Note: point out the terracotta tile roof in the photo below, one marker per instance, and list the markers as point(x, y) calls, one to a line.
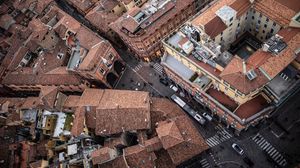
point(169, 134)
point(108, 111)
point(94, 55)
point(276, 64)
point(210, 13)
point(234, 75)
point(91, 97)
point(123, 99)
point(276, 11)
point(45, 79)
point(48, 95)
point(291, 4)
point(241, 6)
point(78, 122)
point(138, 156)
point(36, 5)
point(251, 107)
point(31, 102)
point(87, 38)
point(214, 27)
point(83, 5)
point(192, 145)
point(119, 162)
point(102, 155)
point(114, 121)
point(130, 24)
point(101, 17)
point(71, 101)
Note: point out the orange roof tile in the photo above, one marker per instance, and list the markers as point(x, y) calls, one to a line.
point(276, 64)
point(138, 156)
point(210, 13)
point(234, 75)
point(281, 14)
point(214, 27)
point(169, 134)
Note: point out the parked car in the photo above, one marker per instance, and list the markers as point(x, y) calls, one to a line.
point(200, 119)
point(174, 88)
point(237, 148)
point(164, 81)
point(248, 161)
point(207, 116)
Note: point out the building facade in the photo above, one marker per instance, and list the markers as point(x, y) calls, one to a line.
point(142, 29)
point(205, 57)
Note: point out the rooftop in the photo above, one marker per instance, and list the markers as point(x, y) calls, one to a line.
point(223, 99)
point(141, 22)
point(251, 107)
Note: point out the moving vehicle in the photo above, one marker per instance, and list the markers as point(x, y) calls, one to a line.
point(207, 116)
point(174, 88)
point(188, 109)
point(164, 81)
point(237, 148)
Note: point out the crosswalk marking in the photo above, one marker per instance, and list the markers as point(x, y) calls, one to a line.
point(270, 150)
point(158, 68)
point(204, 163)
point(137, 67)
point(221, 136)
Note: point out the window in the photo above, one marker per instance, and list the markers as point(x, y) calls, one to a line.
point(267, 20)
point(239, 93)
point(102, 71)
point(258, 21)
point(265, 25)
point(260, 15)
point(231, 19)
point(111, 56)
point(252, 17)
point(263, 31)
point(230, 24)
point(274, 24)
point(272, 30)
point(238, 24)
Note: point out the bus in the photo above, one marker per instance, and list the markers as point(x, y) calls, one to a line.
point(188, 109)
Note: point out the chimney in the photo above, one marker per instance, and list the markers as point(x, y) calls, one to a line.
point(244, 67)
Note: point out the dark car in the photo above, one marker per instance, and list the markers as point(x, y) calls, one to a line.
point(164, 81)
point(248, 161)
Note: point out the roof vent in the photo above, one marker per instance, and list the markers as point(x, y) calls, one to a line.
point(251, 74)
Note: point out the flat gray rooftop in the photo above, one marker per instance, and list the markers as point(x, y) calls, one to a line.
point(178, 67)
point(174, 40)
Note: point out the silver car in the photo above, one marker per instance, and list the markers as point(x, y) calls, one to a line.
point(207, 116)
point(237, 148)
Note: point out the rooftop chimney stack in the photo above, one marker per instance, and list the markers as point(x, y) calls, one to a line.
point(244, 67)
